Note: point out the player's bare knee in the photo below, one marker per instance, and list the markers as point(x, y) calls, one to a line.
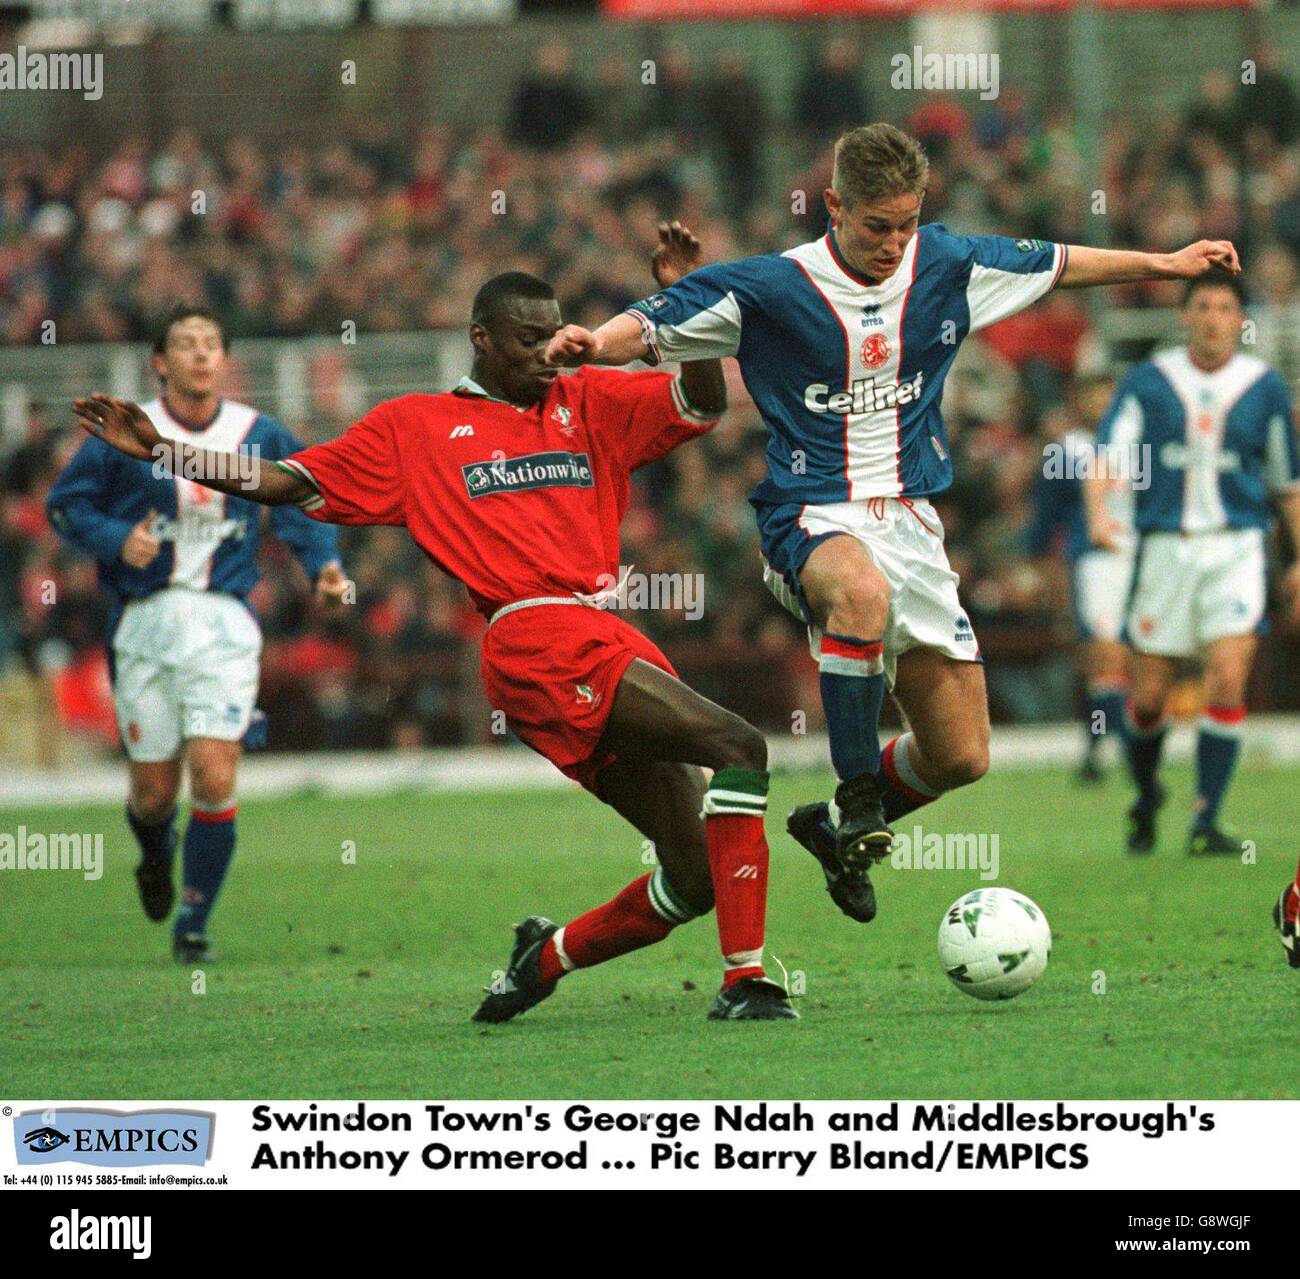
point(152, 802)
point(213, 781)
point(695, 888)
point(966, 765)
point(738, 744)
point(858, 604)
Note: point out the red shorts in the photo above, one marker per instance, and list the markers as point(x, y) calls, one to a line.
point(554, 669)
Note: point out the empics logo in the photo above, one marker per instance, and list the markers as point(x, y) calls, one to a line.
point(113, 1139)
point(44, 1140)
point(95, 1233)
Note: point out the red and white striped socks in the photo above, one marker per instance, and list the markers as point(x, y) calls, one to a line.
point(645, 912)
point(902, 789)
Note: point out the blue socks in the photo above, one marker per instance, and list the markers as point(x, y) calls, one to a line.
point(853, 690)
point(1218, 745)
point(209, 846)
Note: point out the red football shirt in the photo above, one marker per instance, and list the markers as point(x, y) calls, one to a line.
point(514, 502)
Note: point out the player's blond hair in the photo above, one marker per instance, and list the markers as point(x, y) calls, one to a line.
point(878, 161)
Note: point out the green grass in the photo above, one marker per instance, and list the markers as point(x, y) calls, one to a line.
point(339, 980)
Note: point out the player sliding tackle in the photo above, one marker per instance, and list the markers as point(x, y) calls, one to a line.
point(844, 344)
point(515, 483)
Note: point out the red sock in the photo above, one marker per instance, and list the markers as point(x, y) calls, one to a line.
point(1293, 900)
point(639, 916)
point(733, 825)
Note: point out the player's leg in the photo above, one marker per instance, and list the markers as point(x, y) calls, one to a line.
point(947, 742)
point(148, 717)
point(1102, 583)
point(656, 718)
point(1145, 731)
point(1218, 739)
point(209, 841)
point(1161, 627)
point(659, 730)
point(218, 692)
point(1231, 600)
point(848, 599)
point(663, 802)
point(151, 815)
point(1106, 681)
point(946, 746)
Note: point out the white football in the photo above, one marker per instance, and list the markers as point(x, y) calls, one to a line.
point(994, 943)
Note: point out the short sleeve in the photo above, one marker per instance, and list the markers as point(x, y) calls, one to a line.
point(358, 477)
point(701, 316)
point(1282, 451)
point(643, 416)
point(1008, 275)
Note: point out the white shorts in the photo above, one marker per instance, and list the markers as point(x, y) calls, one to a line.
point(1196, 588)
point(905, 541)
point(186, 665)
point(1102, 581)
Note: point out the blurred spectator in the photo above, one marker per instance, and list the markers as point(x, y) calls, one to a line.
point(1271, 102)
point(736, 119)
point(550, 106)
point(831, 96)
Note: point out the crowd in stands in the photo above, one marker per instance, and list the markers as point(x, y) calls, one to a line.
point(396, 234)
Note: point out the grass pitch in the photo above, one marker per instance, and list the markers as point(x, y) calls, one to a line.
point(357, 980)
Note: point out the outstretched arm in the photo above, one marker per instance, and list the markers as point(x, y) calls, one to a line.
point(127, 428)
point(678, 254)
point(1086, 267)
point(622, 339)
point(617, 341)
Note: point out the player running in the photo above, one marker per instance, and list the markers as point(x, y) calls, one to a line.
point(515, 483)
point(1099, 579)
point(1215, 429)
point(183, 641)
point(844, 344)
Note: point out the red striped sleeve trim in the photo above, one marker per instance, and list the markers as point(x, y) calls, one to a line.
point(1060, 266)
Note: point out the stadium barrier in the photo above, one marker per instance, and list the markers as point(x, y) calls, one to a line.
point(1269, 740)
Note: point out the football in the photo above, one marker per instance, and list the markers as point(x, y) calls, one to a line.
point(994, 943)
